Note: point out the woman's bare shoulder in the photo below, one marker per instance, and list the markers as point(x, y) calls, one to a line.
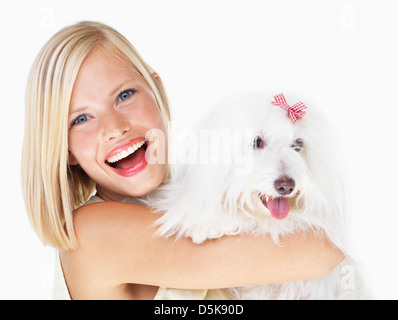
point(106, 231)
point(91, 219)
point(110, 210)
point(110, 237)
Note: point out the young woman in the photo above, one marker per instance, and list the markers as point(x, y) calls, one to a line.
point(91, 104)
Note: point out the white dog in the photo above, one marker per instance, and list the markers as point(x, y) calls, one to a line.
point(259, 166)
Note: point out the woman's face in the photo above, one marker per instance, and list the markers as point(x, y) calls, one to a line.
point(113, 119)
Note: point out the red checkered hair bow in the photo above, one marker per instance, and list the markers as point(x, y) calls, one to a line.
point(297, 111)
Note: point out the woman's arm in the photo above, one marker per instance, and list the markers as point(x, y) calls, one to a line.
point(116, 244)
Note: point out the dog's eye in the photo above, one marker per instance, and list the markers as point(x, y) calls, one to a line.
point(297, 145)
point(258, 143)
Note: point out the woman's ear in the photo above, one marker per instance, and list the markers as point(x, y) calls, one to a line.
point(71, 159)
point(157, 78)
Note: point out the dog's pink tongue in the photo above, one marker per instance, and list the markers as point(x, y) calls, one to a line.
point(278, 207)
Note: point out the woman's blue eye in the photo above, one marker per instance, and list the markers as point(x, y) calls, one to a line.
point(126, 94)
point(80, 119)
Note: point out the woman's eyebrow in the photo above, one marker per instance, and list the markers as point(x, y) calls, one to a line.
point(119, 87)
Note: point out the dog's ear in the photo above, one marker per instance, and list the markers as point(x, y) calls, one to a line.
point(328, 187)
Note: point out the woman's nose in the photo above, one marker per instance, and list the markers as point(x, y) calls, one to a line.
point(114, 126)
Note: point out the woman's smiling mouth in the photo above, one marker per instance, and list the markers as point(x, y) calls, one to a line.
point(128, 159)
point(125, 153)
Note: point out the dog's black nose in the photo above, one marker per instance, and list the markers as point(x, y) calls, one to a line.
point(284, 185)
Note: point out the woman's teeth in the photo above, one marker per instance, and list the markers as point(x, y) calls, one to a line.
point(125, 153)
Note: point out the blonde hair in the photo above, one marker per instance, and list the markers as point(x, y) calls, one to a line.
point(51, 188)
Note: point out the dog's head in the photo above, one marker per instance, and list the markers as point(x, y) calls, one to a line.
point(247, 162)
point(261, 163)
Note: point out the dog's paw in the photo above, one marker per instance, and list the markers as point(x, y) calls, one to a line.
point(199, 238)
point(200, 235)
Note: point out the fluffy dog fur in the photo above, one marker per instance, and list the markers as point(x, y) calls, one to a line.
point(241, 148)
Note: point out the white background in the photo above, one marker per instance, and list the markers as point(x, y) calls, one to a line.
point(341, 54)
